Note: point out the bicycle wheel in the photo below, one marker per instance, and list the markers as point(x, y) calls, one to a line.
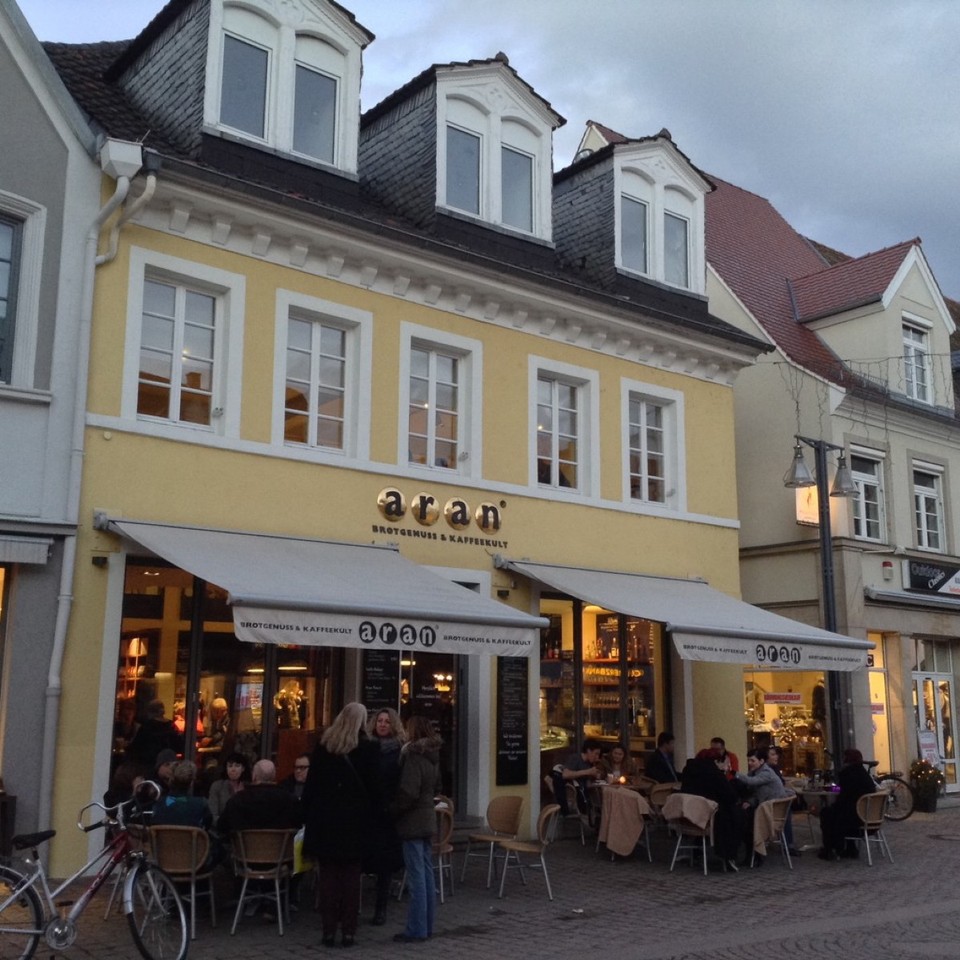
point(900, 804)
point(155, 913)
point(21, 917)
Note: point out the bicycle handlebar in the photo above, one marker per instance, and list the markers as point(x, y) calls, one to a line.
point(117, 814)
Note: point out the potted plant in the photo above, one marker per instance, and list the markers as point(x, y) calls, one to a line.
point(927, 782)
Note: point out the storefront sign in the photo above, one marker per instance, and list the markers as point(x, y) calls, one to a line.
point(512, 722)
point(877, 708)
point(929, 748)
point(783, 699)
point(316, 629)
point(768, 655)
point(927, 576)
point(426, 510)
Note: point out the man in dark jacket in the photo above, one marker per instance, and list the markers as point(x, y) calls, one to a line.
point(263, 805)
point(660, 765)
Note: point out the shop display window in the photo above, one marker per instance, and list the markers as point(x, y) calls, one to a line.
point(600, 677)
point(186, 682)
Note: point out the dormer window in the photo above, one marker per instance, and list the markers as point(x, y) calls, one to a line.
point(659, 216)
point(916, 362)
point(286, 81)
point(494, 149)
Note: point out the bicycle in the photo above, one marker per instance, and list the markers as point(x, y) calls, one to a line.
point(900, 795)
point(30, 910)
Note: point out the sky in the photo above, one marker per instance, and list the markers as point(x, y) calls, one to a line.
point(845, 115)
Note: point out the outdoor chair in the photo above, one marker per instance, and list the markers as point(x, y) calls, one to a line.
point(769, 822)
point(503, 823)
point(573, 809)
point(870, 810)
point(182, 852)
point(691, 819)
point(266, 857)
point(546, 827)
point(442, 854)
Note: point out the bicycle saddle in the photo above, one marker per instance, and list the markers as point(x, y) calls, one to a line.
point(26, 840)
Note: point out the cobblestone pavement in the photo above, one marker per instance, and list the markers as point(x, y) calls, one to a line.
point(902, 911)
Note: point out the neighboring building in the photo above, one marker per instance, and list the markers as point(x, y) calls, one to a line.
point(49, 197)
point(862, 362)
point(317, 335)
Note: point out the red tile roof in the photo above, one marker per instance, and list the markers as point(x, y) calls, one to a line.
point(850, 283)
point(783, 278)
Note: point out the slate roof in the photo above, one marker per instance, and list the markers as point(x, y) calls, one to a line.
point(850, 283)
point(429, 76)
point(82, 67)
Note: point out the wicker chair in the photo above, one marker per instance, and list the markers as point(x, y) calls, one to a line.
point(266, 856)
point(870, 810)
point(503, 822)
point(182, 852)
point(546, 827)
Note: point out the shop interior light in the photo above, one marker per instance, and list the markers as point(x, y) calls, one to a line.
point(137, 647)
point(292, 668)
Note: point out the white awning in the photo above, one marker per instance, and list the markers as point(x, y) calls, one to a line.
point(323, 593)
point(24, 549)
point(937, 600)
point(705, 623)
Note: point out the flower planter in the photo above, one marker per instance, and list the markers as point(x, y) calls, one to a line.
point(926, 804)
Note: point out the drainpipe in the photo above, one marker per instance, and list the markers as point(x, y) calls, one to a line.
point(119, 160)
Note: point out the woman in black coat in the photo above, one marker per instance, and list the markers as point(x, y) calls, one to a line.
point(385, 856)
point(840, 820)
point(339, 800)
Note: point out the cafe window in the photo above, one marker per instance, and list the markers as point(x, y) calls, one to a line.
point(440, 410)
point(184, 680)
point(602, 675)
point(185, 322)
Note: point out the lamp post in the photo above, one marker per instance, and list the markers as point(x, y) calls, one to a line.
point(843, 486)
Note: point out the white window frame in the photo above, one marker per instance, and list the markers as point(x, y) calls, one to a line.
point(462, 104)
point(230, 291)
point(671, 403)
point(587, 382)
point(280, 28)
point(469, 353)
point(667, 215)
point(621, 246)
point(915, 338)
point(924, 496)
point(33, 224)
point(640, 177)
point(358, 326)
point(858, 502)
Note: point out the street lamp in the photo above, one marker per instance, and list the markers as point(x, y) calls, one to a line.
point(799, 475)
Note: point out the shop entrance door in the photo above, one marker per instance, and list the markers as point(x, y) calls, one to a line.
point(933, 700)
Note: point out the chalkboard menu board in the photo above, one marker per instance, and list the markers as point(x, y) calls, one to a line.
point(381, 679)
point(512, 721)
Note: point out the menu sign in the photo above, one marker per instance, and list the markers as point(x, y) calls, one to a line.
point(512, 721)
point(381, 679)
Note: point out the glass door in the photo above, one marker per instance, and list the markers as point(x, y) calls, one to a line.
point(933, 698)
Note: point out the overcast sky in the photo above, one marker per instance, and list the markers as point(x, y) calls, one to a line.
point(845, 115)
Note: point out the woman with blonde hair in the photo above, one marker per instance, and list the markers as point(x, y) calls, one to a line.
point(385, 856)
point(339, 799)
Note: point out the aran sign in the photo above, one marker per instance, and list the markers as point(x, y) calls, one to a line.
point(427, 510)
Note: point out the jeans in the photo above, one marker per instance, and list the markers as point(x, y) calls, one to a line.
point(418, 859)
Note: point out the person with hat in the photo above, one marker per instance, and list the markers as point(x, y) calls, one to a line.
point(163, 768)
point(839, 819)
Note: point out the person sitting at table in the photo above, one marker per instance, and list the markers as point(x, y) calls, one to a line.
point(262, 805)
point(617, 764)
point(839, 819)
point(775, 763)
point(580, 769)
point(179, 808)
point(660, 766)
point(236, 775)
point(704, 777)
point(761, 783)
point(728, 759)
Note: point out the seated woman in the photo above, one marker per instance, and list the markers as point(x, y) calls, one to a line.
point(704, 776)
point(618, 764)
point(236, 773)
point(839, 819)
